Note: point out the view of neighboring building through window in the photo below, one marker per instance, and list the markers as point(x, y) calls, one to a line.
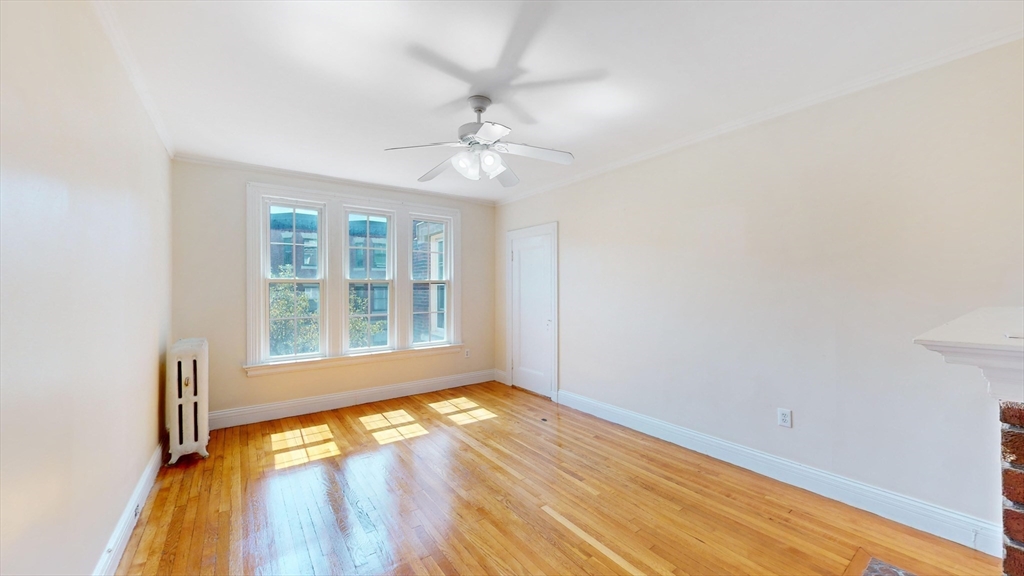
point(294, 281)
point(368, 302)
point(430, 282)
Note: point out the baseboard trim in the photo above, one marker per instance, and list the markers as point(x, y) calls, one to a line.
point(502, 376)
point(979, 534)
point(272, 411)
point(111, 555)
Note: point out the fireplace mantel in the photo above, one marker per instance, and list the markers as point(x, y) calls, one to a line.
point(991, 339)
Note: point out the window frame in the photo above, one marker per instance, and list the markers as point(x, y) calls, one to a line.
point(446, 254)
point(268, 278)
point(389, 279)
point(333, 254)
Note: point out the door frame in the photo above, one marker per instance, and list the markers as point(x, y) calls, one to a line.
point(550, 229)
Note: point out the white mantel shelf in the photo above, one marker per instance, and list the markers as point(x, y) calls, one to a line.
point(991, 339)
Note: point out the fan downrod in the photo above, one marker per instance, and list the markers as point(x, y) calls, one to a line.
point(479, 105)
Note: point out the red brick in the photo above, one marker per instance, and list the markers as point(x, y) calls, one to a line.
point(1012, 413)
point(1013, 561)
point(1013, 485)
point(1013, 524)
point(1013, 446)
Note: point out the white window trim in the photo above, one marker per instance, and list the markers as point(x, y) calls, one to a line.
point(451, 330)
point(389, 278)
point(333, 256)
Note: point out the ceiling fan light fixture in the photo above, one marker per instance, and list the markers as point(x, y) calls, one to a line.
point(467, 163)
point(491, 163)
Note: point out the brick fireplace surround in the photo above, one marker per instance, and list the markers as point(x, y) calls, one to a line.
point(1012, 416)
point(993, 339)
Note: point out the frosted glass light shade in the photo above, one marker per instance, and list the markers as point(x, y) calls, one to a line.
point(468, 164)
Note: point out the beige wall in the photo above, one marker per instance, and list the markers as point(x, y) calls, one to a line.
point(210, 282)
point(790, 264)
point(84, 287)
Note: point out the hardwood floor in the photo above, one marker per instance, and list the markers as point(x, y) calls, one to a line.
point(487, 479)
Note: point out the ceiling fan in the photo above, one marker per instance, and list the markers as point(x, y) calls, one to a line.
point(482, 143)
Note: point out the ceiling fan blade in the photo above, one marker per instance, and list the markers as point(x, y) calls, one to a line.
point(491, 132)
point(587, 76)
point(437, 170)
point(518, 110)
point(507, 177)
point(535, 152)
point(431, 58)
point(529, 21)
point(435, 145)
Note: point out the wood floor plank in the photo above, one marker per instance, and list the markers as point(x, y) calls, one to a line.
point(487, 479)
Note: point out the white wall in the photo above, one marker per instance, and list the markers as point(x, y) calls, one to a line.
point(790, 264)
point(210, 282)
point(84, 287)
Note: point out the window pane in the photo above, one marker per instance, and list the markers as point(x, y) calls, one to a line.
point(421, 265)
point(282, 300)
point(428, 266)
point(378, 232)
point(358, 332)
point(282, 224)
point(378, 264)
point(437, 262)
point(437, 331)
point(358, 299)
point(357, 264)
point(427, 235)
point(307, 300)
point(281, 264)
point(307, 224)
point(379, 299)
point(308, 338)
point(420, 328)
point(437, 265)
point(356, 230)
point(437, 297)
point(307, 261)
point(379, 330)
point(421, 297)
point(282, 337)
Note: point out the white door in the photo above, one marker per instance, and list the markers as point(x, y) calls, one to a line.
point(533, 310)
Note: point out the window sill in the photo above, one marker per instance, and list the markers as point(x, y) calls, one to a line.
point(320, 363)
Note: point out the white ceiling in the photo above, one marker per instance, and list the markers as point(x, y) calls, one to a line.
point(325, 87)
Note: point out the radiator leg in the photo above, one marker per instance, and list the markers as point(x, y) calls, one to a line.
point(204, 453)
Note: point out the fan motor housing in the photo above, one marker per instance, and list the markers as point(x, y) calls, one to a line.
point(468, 131)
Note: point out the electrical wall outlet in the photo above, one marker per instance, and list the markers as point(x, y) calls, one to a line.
point(467, 352)
point(785, 417)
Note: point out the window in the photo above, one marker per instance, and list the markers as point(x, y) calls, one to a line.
point(332, 277)
point(368, 281)
point(293, 279)
point(430, 282)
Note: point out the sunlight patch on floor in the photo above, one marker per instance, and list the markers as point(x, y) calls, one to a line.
point(455, 405)
point(386, 419)
point(464, 418)
point(301, 439)
point(400, 433)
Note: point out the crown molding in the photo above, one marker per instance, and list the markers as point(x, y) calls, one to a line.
point(236, 165)
point(888, 75)
point(108, 19)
